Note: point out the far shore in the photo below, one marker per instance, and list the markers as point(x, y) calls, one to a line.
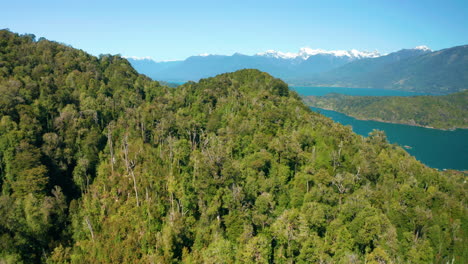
point(392, 122)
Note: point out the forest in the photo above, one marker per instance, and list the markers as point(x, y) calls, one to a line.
point(441, 112)
point(99, 164)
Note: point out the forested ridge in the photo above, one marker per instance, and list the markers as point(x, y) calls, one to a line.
point(442, 112)
point(99, 164)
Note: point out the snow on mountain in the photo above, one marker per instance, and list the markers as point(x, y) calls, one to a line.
point(138, 58)
point(302, 54)
point(422, 47)
point(305, 53)
point(278, 54)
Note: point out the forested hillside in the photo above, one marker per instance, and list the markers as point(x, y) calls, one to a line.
point(101, 165)
point(442, 112)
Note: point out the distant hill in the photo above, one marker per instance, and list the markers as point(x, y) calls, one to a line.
point(439, 72)
point(442, 112)
point(151, 68)
point(284, 65)
point(418, 69)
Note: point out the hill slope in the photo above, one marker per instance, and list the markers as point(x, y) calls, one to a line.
point(101, 165)
point(441, 72)
point(443, 112)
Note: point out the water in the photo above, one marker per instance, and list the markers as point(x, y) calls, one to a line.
point(439, 149)
point(436, 148)
point(319, 91)
point(177, 83)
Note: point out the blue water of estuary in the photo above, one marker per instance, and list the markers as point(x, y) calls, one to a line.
point(436, 148)
point(319, 91)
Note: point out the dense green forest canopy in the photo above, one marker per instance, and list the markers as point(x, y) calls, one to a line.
point(443, 112)
point(99, 164)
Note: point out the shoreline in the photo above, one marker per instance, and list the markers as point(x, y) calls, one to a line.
point(390, 122)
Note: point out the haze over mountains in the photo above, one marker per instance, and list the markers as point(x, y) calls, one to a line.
point(439, 72)
point(285, 65)
point(418, 69)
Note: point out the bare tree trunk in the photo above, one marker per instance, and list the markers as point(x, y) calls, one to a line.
point(135, 187)
point(88, 223)
point(129, 165)
point(111, 148)
point(142, 128)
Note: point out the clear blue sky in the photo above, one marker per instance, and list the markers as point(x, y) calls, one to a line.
point(175, 29)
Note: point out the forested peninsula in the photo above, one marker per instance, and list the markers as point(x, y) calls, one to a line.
point(99, 164)
point(441, 112)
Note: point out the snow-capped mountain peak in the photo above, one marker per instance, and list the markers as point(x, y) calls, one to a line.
point(423, 47)
point(364, 54)
point(305, 53)
point(277, 54)
point(138, 58)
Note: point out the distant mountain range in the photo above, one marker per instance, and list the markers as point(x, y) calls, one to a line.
point(418, 69)
point(280, 64)
point(439, 72)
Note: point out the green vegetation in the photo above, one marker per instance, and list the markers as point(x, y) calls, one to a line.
point(442, 112)
point(169, 84)
point(101, 165)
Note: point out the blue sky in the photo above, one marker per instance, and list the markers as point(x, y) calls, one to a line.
point(175, 29)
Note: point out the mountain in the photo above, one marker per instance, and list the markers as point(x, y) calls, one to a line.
point(99, 164)
point(150, 67)
point(305, 53)
point(367, 66)
point(420, 70)
point(442, 112)
point(284, 65)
